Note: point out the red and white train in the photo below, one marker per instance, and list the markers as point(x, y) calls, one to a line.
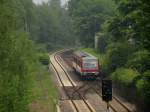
point(85, 64)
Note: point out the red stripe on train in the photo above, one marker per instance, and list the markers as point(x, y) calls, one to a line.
point(93, 70)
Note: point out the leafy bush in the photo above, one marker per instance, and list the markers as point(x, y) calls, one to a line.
point(124, 76)
point(41, 48)
point(101, 42)
point(43, 58)
point(143, 86)
point(140, 60)
point(139, 85)
point(117, 55)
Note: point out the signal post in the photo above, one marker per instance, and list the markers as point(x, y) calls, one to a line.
point(107, 91)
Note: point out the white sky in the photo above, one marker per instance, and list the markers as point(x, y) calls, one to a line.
point(40, 1)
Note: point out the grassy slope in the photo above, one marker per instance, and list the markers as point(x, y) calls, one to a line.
point(44, 92)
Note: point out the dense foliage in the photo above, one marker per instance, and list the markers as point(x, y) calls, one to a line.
point(23, 25)
point(88, 17)
point(131, 25)
point(16, 57)
point(124, 76)
point(118, 54)
point(123, 32)
point(143, 85)
point(52, 25)
point(140, 61)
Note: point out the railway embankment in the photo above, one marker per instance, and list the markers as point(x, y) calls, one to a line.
point(44, 94)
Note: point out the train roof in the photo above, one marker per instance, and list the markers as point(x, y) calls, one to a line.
point(84, 54)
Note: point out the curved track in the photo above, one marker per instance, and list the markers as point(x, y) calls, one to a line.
point(74, 102)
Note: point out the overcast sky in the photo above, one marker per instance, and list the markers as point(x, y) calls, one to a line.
point(40, 1)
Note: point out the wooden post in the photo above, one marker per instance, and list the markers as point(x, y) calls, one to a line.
point(108, 107)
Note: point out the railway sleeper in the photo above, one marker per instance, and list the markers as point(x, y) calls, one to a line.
point(74, 93)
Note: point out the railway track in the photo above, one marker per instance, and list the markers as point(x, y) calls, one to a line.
point(77, 107)
point(115, 101)
point(116, 105)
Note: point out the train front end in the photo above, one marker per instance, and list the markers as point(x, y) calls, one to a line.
point(90, 67)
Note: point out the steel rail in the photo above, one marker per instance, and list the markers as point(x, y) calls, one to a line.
point(64, 88)
point(91, 110)
point(57, 73)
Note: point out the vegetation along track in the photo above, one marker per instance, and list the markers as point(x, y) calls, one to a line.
point(90, 109)
point(116, 105)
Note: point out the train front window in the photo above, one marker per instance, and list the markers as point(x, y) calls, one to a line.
point(90, 64)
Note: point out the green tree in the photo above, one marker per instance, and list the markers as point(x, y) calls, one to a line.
point(16, 58)
point(132, 22)
point(52, 25)
point(88, 16)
